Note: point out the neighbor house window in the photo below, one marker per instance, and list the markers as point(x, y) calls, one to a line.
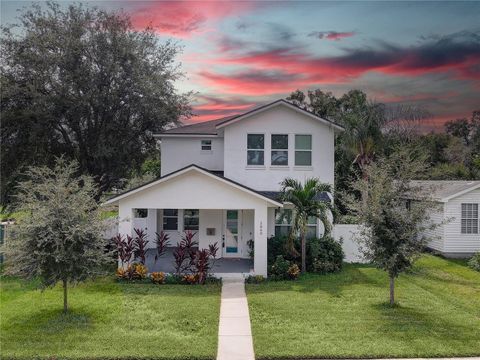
point(191, 219)
point(140, 213)
point(207, 145)
point(255, 149)
point(170, 219)
point(469, 218)
point(280, 150)
point(283, 222)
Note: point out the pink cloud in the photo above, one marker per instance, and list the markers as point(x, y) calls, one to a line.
point(184, 18)
point(331, 35)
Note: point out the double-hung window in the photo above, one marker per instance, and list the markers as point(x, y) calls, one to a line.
point(140, 213)
point(255, 149)
point(170, 219)
point(190, 219)
point(279, 150)
point(206, 145)
point(311, 227)
point(303, 150)
point(469, 218)
point(283, 222)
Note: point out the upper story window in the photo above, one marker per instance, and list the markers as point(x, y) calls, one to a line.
point(279, 150)
point(206, 145)
point(469, 218)
point(303, 150)
point(191, 219)
point(170, 219)
point(255, 149)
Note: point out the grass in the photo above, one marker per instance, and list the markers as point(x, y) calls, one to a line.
point(109, 320)
point(347, 314)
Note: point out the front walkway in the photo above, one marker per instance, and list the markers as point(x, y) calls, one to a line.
point(222, 265)
point(234, 332)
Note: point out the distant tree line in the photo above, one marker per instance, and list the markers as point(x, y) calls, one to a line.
point(374, 130)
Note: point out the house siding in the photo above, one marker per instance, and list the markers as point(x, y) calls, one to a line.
point(455, 241)
point(437, 235)
point(176, 153)
point(278, 120)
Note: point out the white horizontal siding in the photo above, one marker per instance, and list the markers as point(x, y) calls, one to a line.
point(455, 241)
point(436, 235)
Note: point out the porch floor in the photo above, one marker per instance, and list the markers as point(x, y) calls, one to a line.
point(222, 265)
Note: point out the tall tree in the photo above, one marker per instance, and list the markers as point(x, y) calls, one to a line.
point(84, 83)
point(304, 198)
point(59, 237)
point(395, 231)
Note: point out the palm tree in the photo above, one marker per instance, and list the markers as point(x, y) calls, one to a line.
point(304, 198)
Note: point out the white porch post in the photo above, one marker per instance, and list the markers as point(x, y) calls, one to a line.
point(124, 221)
point(260, 244)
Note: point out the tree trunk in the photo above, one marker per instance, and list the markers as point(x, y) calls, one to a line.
point(65, 302)
point(392, 290)
point(304, 254)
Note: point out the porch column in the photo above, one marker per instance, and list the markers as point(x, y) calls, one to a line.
point(260, 244)
point(124, 222)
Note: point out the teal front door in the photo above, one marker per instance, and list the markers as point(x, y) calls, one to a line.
point(232, 231)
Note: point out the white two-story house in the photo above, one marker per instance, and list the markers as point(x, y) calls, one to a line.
point(221, 179)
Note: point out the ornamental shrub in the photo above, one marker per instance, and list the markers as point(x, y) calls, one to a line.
point(157, 277)
point(324, 255)
point(279, 269)
point(474, 262)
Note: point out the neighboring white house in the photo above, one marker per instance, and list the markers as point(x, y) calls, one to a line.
point(458, 213)
point(221, 179)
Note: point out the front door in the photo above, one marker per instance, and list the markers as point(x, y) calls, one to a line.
point(232, 233)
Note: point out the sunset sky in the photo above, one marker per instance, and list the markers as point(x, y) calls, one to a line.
point(241, 54)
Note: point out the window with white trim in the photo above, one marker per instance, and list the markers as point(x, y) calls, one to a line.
point(170, 219)
point(303, 150)
point(279, 150)
point(469, 219)
point(191, 219)
point(206, 145)
point(140, 213)
point(283, 222)
point(255, 149)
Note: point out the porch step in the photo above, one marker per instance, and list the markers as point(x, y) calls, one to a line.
point(234, 332)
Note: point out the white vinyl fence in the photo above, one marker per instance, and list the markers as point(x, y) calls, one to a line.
point(345, 234)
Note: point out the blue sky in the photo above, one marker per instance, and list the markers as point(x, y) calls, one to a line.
point(240, 54)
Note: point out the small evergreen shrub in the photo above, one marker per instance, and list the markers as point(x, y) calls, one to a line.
point(324, 255)
point(474, 262)
point(255, 279)
point(293, 272)
point(157, 277)
point(279, 269)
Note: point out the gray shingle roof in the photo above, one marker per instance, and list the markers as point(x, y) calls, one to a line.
point(442, 189)
point(209, 127)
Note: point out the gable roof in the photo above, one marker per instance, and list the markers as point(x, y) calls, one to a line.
point(211, 128)
point(186, 169)
point(444, 190)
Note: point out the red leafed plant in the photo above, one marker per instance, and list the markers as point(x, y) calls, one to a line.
point(202, 265)
point(162, 243)
point(125, 248)
point(140, 245)
point(129, 247)
point(184, 254)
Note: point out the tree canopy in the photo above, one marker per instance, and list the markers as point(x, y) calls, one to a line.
point(83, 83)
point(60, 235)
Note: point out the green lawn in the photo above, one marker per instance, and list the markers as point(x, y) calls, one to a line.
point(109, 320)
point(346, 314)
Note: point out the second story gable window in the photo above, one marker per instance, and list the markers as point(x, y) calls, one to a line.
point(303, 150)
point(279, 150)
point(206, 145)
point(255, 149)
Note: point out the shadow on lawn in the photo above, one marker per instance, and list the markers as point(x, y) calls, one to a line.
point(408, 320)
point(333, 284)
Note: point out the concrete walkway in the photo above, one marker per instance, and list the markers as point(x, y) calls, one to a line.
point(234, 333)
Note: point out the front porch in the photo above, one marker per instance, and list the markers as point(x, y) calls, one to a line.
point(222, 267)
